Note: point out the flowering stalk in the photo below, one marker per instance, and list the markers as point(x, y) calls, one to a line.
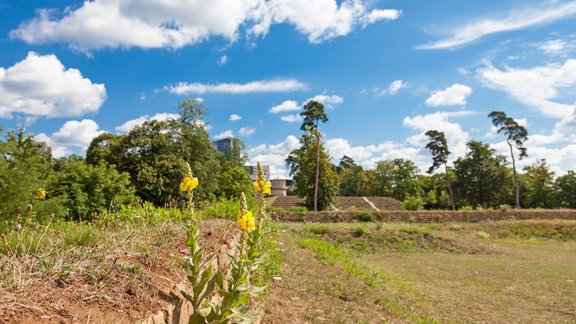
point(187, 185)
point(263, 188)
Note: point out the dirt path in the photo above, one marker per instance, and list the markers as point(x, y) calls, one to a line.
point(311, 292)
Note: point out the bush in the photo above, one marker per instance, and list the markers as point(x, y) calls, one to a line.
point(413, 203)
point(360, 231)
point(366, 216)
point(316, 229)
point(298, 209)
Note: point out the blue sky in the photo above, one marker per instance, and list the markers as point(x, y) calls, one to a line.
point(387, 71)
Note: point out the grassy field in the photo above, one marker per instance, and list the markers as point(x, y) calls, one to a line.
point(492, 272)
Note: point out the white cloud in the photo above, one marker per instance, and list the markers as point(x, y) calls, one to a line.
point(291, 118)
point(327, 100)
point(553, 47)
point(287, 85)
point(386, 14)
point(514, 20)
point(247, 131)
point(456, 137)
point(41, 86)
point(292, 105)
point(102, 24)
point(454, 95)
point(222, 60)
point(234, 117)
point(274, 155)
point(129, 125)
point(286, 106)
point(73, 137)
point(224, 134)
point(536, 87)
point(393, 88)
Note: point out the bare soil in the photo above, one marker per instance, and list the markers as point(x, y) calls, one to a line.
point(123, 287)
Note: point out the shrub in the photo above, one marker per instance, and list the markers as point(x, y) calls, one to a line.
point(366, 216)
point(298, 209)
point(360, 231)
point(316, 229)
point(413, 203)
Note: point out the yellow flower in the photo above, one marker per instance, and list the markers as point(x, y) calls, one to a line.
point(40, 194)
point(245, 219)
point(189, 183)
point(261, 184)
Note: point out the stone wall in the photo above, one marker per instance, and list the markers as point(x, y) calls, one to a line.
point(425, 216)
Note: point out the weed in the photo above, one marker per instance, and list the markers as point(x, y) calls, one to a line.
point(483, 235)
point(360, 231)
point(316, 229)
point(366, 216)
point(456, 227)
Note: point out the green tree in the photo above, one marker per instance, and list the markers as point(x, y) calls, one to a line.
point(303, 164)
point(234, 181)
point(539, 181)
point(396, 178)
point(313, 114)
point(517, 135)
point(565, 188)
point(89, 189)
point(24, 167)
point(193, 145)
point(152, 154)
point(440, 152)
point(352, 177)
point(482, 176)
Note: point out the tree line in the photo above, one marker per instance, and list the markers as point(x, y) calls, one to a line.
point(146, 165)
point(479, 179)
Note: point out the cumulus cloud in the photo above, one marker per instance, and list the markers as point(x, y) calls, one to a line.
point(102, 24)
point(456, 136)
point(393, 88)
point(537, 87)
point(286, 106)
point(234, 117)
point(73, 137)
point(224, 134)
point(514, 20)
point(328, 100)
point(247, 131)
point(274, 155)
point(129, 125)
point(454, 95)
point(41, 86)
point(288, 85)
point(291, 118)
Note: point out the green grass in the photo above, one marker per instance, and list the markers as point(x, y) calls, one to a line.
point(508, 271)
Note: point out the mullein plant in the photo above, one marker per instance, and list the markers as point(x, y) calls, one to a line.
point(188, 184)
point(234, 290)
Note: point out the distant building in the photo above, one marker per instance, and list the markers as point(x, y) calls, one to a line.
point(253, 171)
point(226, 145)
point(279, 187)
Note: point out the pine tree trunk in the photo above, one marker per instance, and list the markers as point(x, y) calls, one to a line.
point(449, 182)
point(317, 168)
point(516, 184)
